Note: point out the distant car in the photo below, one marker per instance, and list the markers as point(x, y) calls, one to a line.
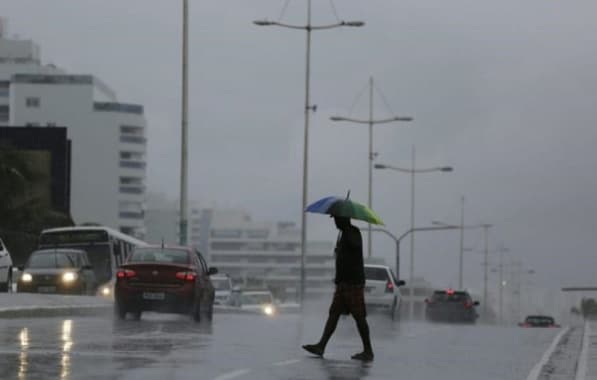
point(538, 321)
point(381, 289)
point(223, 285)
point(5, 269)
point(167, 280)
point(60, 271)
point(259, 301)
point(451, 306)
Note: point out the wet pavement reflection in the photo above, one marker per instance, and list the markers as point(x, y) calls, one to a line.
point(255, 347)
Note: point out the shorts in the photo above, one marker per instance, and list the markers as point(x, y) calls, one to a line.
point(349, 299)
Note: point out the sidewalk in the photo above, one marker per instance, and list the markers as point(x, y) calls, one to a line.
point(22, 305)
point(587, 364)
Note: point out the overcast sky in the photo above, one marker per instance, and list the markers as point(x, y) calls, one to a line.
point(504, 91)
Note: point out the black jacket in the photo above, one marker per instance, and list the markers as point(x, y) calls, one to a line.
point(349, 258)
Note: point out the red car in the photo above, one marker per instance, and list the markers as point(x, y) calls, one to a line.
point(167, 280)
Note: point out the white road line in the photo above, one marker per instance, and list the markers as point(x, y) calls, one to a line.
point(233, 374)
point(581, 367)
point(286, 362)
point(536, 371)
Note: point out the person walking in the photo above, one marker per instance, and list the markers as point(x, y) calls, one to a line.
point(349, 296)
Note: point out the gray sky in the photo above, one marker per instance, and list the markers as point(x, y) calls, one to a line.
point(503, 91)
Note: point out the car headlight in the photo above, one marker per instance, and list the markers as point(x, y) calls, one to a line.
point(26, 277)
point(105, 291)
point(268, 310)
point(69, 277)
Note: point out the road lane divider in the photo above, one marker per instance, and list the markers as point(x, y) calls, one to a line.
point(233, 374)
point(536, 371)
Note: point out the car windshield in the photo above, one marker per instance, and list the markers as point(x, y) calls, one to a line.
point(256, 298)
point(539, 320)
point(376, 274)
point(158, 255)
point(52, 259)
point(450, 297)
point(221, 283)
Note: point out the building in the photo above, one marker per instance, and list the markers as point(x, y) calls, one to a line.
point(47, 152)
point(264, 254)
point(108, 137)
point(163, 222)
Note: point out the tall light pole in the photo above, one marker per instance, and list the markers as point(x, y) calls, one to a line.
point(308, 108)
point(185, 126)
point(486, 228)
point(412, 171)
point(371, 122)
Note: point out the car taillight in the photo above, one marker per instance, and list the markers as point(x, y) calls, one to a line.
point(186, 276)
point(389, 287)
point(125, 273)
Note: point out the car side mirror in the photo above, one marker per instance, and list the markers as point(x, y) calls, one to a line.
point(212, 271)
point(87, 267)
point(401, 283)
point(476, 303)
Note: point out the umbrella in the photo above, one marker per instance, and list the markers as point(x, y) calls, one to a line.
point(344, 207)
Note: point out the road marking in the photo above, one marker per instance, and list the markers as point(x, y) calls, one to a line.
point(581, 368)
point(286, 362)
point(536, 371)
point(233, 374)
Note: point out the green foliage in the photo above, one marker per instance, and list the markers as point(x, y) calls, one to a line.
point(23, 212)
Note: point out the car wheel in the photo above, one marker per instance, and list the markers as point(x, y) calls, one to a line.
point(196, 311)
point(393, 309)
point(6, 286)
point(119, 311)
point(137, 315)
point(210, 312)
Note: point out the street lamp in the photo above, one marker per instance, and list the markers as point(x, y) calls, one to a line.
point(412, 171)
point(371, 122)
point(308, 107)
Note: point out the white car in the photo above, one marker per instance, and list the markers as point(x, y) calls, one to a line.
point(381, 289)
point(5, 269)
point(223, 286)
point(259, 301)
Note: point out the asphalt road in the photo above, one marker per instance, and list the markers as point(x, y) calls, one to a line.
point(256, 347)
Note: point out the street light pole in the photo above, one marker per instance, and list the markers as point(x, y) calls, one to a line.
point(486, 265)
point(412, 171)
point(412, 236)
point(461, 255)
point(308, 108)
point(371, 122)
point(185, 126)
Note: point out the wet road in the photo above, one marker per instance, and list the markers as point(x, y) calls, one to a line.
point(255, 347)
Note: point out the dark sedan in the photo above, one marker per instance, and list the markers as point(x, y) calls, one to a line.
point(60, 271)
point(167, 280)
point(451, 306)
point(539, 321)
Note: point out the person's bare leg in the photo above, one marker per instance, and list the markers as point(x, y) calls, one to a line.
point(328, 330)
point(363, 327)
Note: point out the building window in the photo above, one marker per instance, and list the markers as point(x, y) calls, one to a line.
point(4, 113)
point(131, 181)
point(226, 233)
point(32, 102)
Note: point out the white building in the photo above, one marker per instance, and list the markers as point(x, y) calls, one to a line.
point(108, 137)
point(163, 222)
point(258, 254)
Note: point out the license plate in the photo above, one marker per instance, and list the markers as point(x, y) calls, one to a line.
point(46, 289)
point(154, 296)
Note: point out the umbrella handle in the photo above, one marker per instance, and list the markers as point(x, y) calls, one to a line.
point(348, 195)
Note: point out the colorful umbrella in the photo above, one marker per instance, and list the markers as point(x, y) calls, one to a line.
point(345, 207)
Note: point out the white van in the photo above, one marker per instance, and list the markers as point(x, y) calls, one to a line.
point(381, 289)
point(5, 269)
point(223, 286)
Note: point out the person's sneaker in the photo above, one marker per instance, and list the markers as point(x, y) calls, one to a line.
point(315, 349)
point(363, 356)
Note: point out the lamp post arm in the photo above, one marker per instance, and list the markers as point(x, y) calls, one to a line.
point(361, 121)
point(308, 27)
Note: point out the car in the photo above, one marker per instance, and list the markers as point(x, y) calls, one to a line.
point(167, 280)
point(538, 321)
point(59, 271)
point(451, 306)
point(258, 301)
point(223, 285)
point(381, 289)
point(5, 268)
